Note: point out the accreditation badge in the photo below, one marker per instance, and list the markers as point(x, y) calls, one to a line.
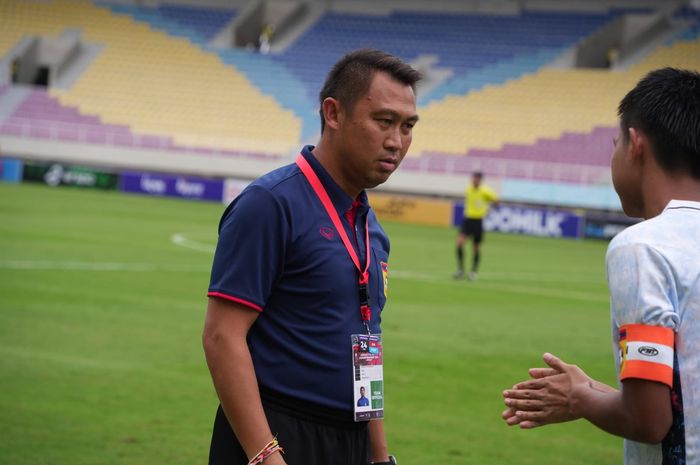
point(368, 382)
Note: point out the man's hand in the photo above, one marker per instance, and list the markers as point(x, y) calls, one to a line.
point(551, 396)
point(640, 411)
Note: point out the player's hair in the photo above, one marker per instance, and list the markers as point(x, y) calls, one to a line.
point(665, 106)
point(349, 79)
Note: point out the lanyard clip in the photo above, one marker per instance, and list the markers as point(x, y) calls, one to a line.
point(365, 313)
point(364, 295)
point(363, 282)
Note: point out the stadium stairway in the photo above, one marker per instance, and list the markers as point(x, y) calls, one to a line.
point(273, 78)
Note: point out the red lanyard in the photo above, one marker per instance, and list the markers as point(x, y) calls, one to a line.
point(363, 277)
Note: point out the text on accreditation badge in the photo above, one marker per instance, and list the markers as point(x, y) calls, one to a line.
point(368, 374)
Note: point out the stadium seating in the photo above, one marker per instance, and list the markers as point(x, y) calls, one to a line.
point(197, 24)
point(543, 104)
point(538, 114)
point(157, 84)
point(42, 116)
point(496, 51)
point(207, 21)
point(465, 43)
point(693, 17)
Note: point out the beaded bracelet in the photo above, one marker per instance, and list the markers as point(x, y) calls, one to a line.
point(269, 449)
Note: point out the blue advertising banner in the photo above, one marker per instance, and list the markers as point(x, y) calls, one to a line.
point(10, 170)
point(606, 225)
point(172, 186)
point(533, 221)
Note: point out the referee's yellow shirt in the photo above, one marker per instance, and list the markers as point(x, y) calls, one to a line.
point(477, 201)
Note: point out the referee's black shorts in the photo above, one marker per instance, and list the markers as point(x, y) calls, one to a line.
point(473, 227)
point(309, 435)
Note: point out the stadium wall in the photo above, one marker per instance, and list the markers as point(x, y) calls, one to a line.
point(249, 166)
point(505, 217)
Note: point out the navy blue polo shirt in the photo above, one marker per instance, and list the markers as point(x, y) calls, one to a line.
point(279, 254)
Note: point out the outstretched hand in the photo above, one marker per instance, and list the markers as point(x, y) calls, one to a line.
point(550, 396)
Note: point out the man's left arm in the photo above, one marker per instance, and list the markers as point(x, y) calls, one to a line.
point(377, 439)
point(640, 411)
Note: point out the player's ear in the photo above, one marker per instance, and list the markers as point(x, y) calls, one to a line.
point(332, 112)
point(638, 144)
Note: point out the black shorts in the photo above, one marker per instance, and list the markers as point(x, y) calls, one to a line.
point(473, 227)
point(318, 436)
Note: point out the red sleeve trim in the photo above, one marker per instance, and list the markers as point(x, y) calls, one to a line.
point(236, 299)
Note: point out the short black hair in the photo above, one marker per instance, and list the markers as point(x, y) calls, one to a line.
point(665, 106)
point(350, 77)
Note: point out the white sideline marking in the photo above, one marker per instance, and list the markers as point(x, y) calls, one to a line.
point(179, 239)
point(182, 240)
point(43, 265)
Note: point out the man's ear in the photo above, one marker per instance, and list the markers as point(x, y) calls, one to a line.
point(332, 112)
point(638, 146)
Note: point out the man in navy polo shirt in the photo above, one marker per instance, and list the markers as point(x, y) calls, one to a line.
point(297, 249)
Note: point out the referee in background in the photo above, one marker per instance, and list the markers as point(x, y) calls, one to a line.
point(477, 199)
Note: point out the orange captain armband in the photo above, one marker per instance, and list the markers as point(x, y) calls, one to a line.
point(646, 352)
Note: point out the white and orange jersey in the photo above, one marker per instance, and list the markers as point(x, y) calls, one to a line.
point(654, 278)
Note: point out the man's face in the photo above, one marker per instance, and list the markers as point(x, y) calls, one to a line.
point(362, 391)
point(476, 180)
point(376, 133)
point(625, 177)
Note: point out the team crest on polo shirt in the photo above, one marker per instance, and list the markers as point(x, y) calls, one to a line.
point(328, 233)
point(385, 275)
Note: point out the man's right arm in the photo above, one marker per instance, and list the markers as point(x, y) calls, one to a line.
point(231, 367)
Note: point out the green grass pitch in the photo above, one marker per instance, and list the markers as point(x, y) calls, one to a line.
point(102, 300)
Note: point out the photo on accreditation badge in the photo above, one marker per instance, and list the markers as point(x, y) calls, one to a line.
point(362, 399)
